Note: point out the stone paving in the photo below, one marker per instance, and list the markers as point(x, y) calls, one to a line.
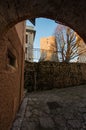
point(57, 109)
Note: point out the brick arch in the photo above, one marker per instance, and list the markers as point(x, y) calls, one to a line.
point(71, 13)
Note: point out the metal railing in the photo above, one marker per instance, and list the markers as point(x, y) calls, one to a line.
point(37, 55)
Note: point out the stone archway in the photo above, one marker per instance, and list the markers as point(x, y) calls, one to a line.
point(71, 13)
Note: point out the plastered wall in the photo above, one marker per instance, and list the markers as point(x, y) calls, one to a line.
point(11, 75)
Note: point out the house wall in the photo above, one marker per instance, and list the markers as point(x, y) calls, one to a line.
point(82, 50)
point(11, 74)
point(48, 48)
point(30, 33)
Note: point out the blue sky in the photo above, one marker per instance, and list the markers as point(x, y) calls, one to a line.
point(44, 28)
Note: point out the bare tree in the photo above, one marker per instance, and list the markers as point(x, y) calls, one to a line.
point(68, 44)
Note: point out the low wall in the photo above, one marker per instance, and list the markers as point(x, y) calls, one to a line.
point(48, 75)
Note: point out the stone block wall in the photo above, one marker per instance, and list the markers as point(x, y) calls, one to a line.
point(48, 75)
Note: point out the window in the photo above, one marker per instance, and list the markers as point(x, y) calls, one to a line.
point(26, 38)
point(25, 50)
point(11, 59)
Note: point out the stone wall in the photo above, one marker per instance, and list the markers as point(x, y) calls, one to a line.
point(11, 77)
point(69, 12)
point(48, 75)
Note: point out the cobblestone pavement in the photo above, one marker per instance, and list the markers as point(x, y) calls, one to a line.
point(57, 109)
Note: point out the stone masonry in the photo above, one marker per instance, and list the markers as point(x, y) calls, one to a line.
point(69, 12)
point(48, 75)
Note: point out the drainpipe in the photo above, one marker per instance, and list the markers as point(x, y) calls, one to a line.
point(35, 75)
point(22, 63)
point(21, 74)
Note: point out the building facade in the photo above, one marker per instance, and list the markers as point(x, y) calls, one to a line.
point(82, 50)
point(11, 74)
point(30, 35)
point(48, 47)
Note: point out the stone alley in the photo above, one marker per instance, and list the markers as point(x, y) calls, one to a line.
point(57, 109)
